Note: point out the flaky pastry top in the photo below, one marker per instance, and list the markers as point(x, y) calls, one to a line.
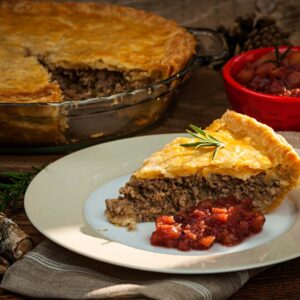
point(28, 83)
point(250, 148)
point(85, 35)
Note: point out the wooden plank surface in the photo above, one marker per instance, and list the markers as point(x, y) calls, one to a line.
point(201, 100)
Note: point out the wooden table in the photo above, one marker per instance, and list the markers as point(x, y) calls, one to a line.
point(199, 101)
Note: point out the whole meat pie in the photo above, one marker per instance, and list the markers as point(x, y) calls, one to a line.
point(51, 52)
point(252, 162)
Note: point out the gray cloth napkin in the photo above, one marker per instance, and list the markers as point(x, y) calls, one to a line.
point(54, 272)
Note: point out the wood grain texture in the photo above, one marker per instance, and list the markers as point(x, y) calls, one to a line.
point(199, 101)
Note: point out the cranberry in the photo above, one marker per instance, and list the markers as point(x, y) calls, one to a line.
point(273, 77)
point(226, 221)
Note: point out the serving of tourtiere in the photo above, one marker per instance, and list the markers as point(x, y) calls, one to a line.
point(236, 156)
point(52, 52)
point(83, 50)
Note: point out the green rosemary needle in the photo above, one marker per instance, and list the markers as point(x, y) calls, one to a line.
point(279, 56)
point(13, 186)
point(206, 140)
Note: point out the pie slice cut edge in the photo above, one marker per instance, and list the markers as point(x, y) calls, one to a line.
point(255, 162)
point(77, 51)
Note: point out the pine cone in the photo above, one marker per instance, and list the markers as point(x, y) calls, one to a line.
point(251, 33)
point(267, 36)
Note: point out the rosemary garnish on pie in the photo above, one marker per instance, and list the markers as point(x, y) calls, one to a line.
point(206, 140)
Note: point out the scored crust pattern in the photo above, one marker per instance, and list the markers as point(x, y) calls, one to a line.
point(37, 38)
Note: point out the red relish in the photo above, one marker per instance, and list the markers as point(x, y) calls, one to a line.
point(227, 221)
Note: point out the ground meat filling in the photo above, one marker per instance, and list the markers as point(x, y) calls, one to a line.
point(144, 200)
point(79, 84)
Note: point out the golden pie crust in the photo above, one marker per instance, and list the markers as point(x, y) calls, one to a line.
point(141, 45)
point(250, 148)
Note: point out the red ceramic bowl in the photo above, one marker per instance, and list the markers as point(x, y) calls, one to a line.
point(279, 112)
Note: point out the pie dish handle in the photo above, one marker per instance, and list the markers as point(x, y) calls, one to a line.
point(211, 49)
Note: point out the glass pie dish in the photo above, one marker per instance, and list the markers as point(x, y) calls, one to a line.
point(70, 125)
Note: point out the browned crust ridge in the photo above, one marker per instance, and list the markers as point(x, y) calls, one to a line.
point(163, 46)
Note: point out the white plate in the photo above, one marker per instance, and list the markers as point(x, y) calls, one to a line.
point(65, 202)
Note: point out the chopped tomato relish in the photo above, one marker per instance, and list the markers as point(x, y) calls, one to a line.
point(226, 221)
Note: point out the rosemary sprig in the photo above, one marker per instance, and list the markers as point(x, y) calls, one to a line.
point(279, 57)
point(13, 186)
point(206, 140)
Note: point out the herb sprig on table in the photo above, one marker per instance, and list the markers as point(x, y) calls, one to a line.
point(279, 56)
point(205, 140)
point(13, 186)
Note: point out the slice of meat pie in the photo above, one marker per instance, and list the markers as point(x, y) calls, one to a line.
point(251, 161)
